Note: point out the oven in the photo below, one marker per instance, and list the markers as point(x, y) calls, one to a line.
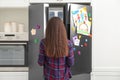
point(13, 54)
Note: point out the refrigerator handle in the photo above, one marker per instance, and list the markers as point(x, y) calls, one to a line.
point(67, 19)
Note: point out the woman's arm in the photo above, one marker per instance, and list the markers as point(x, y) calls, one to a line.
point(70, 58)
point(41, 56)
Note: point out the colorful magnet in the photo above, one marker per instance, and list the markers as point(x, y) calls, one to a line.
point(81, 45)
point(90, 35)
point(73, 28)
point(36, 40)
point(90, 19)
point(77, 42)
point(33, 31)
point(79, 53)
point(79, 36)
point(74, 49)
point(37, 26)
point(85, 44)
point(86, 40)
point(89, 14)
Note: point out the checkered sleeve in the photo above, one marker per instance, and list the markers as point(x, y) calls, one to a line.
point(70, 58)
point(41, 56)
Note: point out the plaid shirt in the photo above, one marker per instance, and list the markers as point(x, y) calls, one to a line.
point(56, 68)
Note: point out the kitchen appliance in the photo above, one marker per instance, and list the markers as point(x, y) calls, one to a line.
point(13, 54)
point(78, 21)
point(82, 43)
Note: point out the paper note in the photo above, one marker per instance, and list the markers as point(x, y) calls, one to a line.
point(33, 31)
point(76, 41)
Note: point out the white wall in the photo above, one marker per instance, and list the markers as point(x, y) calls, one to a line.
point(106, 33)
point(14, 3)
point(106, 39)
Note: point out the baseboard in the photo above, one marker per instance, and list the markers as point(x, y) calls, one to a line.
point(106, 69)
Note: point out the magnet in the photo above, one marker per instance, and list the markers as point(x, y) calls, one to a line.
point(33, 31)
point(90, 19)
point(73, 29)
point(74, 49)
point(79, 53)
point(37, 26)
point(89, 14)
point(90, 35)
point(81, 45)
point(86, 40)
point(79, 36)
point(85, 44)
point(36, 40)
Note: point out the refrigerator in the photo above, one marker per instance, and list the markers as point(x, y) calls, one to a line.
point(78, 23)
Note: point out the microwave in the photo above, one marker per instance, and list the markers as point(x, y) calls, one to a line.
point(13, 54)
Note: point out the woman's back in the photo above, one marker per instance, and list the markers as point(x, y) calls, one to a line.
point(56, 68)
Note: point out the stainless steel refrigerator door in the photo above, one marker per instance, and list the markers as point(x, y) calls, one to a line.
point(36, 18)
point(84, 46)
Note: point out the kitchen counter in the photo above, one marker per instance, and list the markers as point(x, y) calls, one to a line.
point(14, 69)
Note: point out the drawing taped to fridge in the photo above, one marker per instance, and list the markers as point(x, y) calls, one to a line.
point(81, 22)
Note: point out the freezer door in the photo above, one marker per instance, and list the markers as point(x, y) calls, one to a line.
point(80, 34)
point(36, 19)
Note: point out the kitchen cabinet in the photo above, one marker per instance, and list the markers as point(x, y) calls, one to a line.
point(14, 3)
point(18, 16)
point(13, 75)
point(60, 1)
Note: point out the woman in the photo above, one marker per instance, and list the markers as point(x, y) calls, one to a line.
point(56, 52)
